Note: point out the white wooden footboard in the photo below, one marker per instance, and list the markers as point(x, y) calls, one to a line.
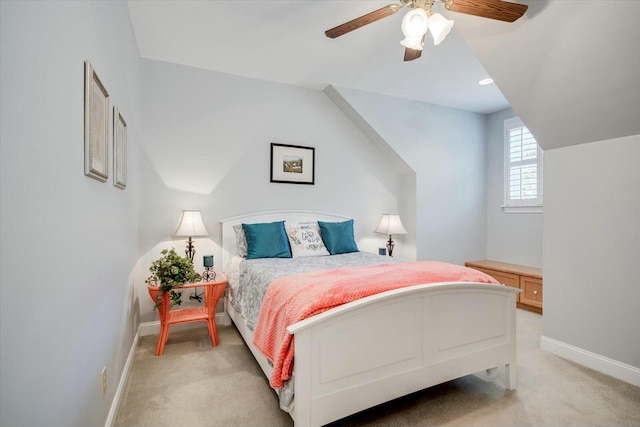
point(388, 345)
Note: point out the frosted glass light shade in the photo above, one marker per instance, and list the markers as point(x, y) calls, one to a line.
point(390, 224)
point(439, 26)
point(412, 43)
point(191, 225)
point(414, 26)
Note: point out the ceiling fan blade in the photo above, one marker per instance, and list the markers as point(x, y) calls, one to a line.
point(411, 54)
point(493, 9)
point(363, 20)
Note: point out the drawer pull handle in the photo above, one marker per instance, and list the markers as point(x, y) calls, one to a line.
point(535, 292)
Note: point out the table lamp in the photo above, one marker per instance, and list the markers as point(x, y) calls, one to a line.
point(390, 224)
point(191, 225)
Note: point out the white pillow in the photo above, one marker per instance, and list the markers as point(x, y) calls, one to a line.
point(305, 240)
point(241, 240)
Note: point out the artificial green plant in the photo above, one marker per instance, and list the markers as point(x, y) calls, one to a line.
point(169, 272)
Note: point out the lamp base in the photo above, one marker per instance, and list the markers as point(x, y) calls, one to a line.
point(390, 246)
point(190, 252)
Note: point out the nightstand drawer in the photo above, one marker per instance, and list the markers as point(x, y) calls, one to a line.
point(531, 291)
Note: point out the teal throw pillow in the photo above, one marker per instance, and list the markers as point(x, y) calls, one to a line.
point(266, 240)
point(338, 237)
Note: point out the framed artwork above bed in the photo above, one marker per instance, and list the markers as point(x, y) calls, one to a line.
point(292, 164)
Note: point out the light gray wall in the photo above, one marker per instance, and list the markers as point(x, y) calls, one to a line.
point(206, 145)
point(511, 237)
point(592, 247)
point(446, 149)
point(69, 242)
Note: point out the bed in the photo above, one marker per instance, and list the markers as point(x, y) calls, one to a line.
point(383, 346)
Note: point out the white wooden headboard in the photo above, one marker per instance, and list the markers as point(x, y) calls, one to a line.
point(229, 236)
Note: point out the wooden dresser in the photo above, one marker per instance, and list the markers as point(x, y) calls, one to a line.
point(529, 279)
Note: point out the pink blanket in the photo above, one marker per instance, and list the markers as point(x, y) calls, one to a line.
point(291, 299)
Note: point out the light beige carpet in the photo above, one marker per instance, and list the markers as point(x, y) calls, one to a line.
point(194, 384)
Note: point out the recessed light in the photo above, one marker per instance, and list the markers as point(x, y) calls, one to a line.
point(485, 81)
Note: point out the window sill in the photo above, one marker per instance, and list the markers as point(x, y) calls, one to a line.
point(537, 209)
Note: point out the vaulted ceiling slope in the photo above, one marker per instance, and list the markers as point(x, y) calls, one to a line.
point(571, 71)
point(569, 68)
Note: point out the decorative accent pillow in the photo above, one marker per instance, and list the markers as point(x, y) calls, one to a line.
point(266, 240)
point(305, 240)
point(338, 237)
point(241, 240)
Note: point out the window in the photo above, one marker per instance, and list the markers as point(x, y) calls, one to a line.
point(522, 169)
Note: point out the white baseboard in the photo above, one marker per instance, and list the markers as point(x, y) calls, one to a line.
point(117, 398)
point(613, 368)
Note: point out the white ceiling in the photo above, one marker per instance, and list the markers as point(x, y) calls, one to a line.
point(569, 68)
point(284, 41)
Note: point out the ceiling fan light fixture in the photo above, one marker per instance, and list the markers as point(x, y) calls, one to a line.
point(439, 26)
point(421, 19)
point(414, 25)
point(412, 43)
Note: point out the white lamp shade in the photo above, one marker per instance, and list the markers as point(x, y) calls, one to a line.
point(191, 225)
point(390, 224)
point(439, 26)
point(414, 26)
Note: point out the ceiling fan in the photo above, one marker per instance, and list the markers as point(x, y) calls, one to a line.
point(421, 18)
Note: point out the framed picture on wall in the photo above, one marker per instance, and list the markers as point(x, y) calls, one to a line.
point(119, 150)
point(292, 164)
point(96, 126)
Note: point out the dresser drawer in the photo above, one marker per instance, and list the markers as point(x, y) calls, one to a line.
point(531, 291)
point(503, 277)
point(527, 279)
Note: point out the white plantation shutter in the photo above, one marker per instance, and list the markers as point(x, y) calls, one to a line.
point(523, 166)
